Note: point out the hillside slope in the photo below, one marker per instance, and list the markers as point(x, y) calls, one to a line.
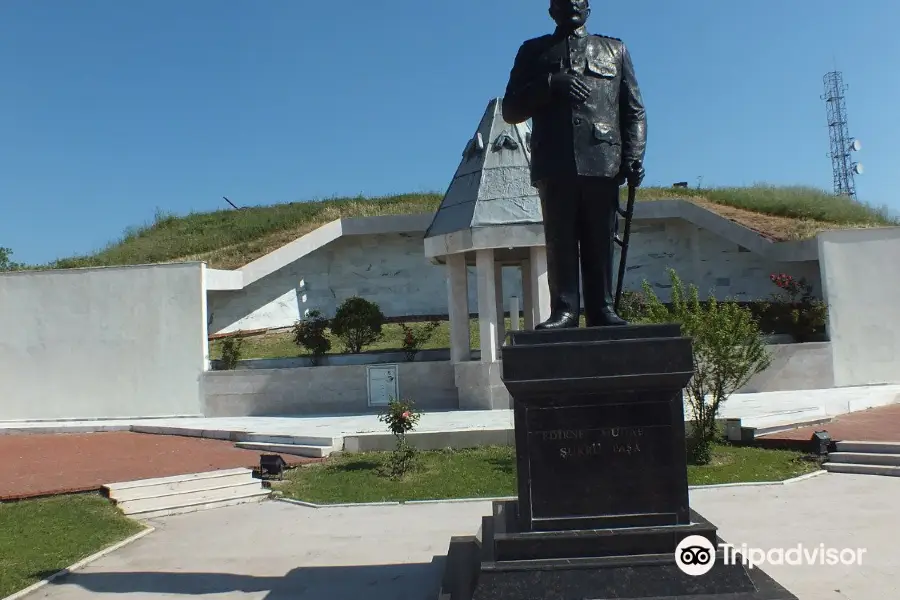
point(229, 239)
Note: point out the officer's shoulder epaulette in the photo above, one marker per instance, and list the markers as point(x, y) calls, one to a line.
point(609, 37)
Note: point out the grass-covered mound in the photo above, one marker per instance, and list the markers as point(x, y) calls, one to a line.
point(229, 239)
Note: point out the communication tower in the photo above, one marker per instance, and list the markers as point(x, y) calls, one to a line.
point(842, 145)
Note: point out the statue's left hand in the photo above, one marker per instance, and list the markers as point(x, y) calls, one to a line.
point(635, 174)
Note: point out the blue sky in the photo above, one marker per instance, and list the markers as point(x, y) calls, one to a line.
point(111, 110)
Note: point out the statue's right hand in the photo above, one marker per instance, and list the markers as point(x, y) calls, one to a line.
point(569, 85)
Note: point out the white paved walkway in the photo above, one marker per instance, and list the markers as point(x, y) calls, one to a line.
point(280, 551)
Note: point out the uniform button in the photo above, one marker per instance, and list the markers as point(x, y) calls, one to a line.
point(577, 121)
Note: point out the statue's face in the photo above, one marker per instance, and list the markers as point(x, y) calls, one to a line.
point(570, 13)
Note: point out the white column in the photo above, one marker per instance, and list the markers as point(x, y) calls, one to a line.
point(514, 313)
point(498, 289)
point(487, 304)
point(527, 295)
point(458, 305)
point(539, 284)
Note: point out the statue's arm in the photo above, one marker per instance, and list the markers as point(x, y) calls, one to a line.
point(632, 114)
point(526, 90)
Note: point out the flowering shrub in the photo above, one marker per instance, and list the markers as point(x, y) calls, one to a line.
point(400, 418)
point(794, 308)
point(416, 336)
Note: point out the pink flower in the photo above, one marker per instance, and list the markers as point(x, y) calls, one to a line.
point(405, 414)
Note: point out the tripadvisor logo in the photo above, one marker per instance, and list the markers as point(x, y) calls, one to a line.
point(695, 555)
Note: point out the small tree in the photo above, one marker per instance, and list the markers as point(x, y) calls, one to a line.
point(357, 323)
point(232, 350)
point(311, 334)
point(6, 263)
point(415, 336)
point(400, 419)
point(728, 351)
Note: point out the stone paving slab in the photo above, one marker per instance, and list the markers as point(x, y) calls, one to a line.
point(280, 551)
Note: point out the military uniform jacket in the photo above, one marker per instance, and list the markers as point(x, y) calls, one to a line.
point(597, 138)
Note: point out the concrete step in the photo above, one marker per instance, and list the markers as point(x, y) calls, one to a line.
point(131, 490)
point(862, 469)
point(297, 440)
point(308, 450)
point(749, 428)
point(177, 509)
point(189, 498)
point(869, 447)
point(864, 458)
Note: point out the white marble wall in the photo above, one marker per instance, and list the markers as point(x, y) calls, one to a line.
point(393, 271)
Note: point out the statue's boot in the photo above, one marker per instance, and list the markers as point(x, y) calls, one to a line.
point(607, 317)
point(561, 320)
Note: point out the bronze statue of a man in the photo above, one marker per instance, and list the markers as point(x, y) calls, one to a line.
point(588, 138)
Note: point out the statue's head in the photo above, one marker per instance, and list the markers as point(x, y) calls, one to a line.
point(570, 14)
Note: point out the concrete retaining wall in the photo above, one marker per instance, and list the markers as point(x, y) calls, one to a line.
point(433, 383)
point(861, 280)
point(795, 367)
point(322, 390)
point(102, 343)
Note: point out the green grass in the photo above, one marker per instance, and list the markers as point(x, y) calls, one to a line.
point(42, 536)
point(230, 238)
point(487, 472)
point(800, 202)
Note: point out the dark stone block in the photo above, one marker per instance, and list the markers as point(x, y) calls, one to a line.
point(504, 541)
point(602, 443)
point(596, 359)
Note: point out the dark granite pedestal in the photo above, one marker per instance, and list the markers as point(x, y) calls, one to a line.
point(602, 478)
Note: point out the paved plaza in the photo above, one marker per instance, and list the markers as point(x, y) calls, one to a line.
point(281, 551)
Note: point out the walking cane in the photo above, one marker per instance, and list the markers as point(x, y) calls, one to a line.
point(628, 213)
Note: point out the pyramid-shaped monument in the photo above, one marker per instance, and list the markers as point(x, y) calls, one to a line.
point(492, 185)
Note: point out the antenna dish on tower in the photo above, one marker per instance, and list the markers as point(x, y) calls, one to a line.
point(855, 145)
point(858, 168)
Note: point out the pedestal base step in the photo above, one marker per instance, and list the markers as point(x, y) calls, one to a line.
point(624, 563)
point(645, 577)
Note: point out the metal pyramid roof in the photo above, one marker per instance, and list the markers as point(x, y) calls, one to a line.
point(492, 185)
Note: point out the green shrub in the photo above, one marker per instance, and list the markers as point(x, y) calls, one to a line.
point(311, 333)
point(633, 306)
point(357, 323)
point(728, 350)
point(231, 351)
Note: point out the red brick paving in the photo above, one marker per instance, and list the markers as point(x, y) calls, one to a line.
point(38, 464)
point(873, 425)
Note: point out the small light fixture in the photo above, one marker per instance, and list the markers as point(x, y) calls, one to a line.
point(271, 465)
point(821, 441)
